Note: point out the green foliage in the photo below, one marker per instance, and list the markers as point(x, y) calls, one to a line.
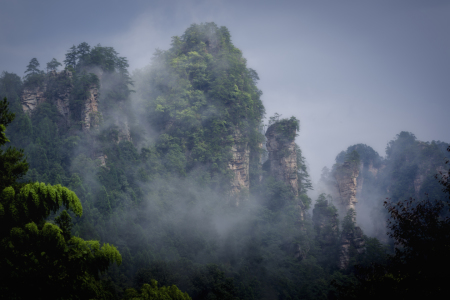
point(326, 226)
point(204, 99)
point(161, 197)
point(153, 292)
point(53, 65)
point(286, 129)
point(348, 223)
point(35, 77)
point(35, 252)
point(32, 67)
point(304, 182)
point(366, 154)
point(12, 162)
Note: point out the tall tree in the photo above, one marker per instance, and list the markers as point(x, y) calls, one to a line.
point(53, 65)
point(33, 66)
point(34, 77)
point(71, 57)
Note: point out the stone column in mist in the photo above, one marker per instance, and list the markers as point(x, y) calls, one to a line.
point(283, 155)
point(346, 176)
point(239, 164)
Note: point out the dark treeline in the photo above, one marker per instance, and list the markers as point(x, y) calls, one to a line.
point(157, 161)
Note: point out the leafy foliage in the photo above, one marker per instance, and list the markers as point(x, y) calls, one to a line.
point(53, 65)
point(151, 291)
point(204, 98)
point(37, 253)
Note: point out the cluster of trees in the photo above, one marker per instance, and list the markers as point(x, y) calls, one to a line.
point(37, 252)
point(413, 180)
point(152, 178)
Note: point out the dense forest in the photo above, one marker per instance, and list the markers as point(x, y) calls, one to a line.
point(168, 184)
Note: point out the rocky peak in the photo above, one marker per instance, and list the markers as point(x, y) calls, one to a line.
point(346, 183)
point(282, 154)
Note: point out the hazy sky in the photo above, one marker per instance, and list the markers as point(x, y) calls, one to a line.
point(351, 71)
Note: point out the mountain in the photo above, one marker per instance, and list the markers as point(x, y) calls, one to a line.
point(174, 165)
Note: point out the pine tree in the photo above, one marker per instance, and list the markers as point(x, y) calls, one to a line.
point(53, 65)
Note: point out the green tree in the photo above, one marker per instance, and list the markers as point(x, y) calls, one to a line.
point(34, 77)
point(12, 163)
point(83, 49)
point(33, 66)
point(34, 252)
point(421, 231)
point(53, 65)
point(153, 292)
point(71, 57)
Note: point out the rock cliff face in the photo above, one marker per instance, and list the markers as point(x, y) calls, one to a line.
point(282, 156)
point(239, 164)
point(31, 97)
point(90, 114)
point(283, 159)
point(346, 183)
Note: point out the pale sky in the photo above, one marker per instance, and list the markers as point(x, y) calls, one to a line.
point(351, 71)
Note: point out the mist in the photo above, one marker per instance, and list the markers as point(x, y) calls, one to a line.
point(351, 72)
point(367, 77)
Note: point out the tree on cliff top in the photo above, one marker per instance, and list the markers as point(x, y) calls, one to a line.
point(34, 252)
point(34, 77)
point(53, 65)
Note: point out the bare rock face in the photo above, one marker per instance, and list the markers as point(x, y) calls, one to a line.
point(31, 98)
point(239, 164)
point(90, 114)
point(283, 156)
point(346, 182)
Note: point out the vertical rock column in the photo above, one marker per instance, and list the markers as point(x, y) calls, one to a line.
point(283, 156)
point(346, 177)
point(283, 167)
point(346, 183)
point(90, 109)
point(239, 164)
